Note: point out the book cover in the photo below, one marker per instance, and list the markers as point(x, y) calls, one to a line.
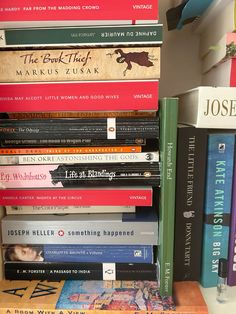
point(224, 74)
point(83, 128)
point(220, 52)
point(217, 204)
point(34, 210)
point(79, 96)
point(140, 227)
point(78, 175)
point(85, 64)
point(190, 186)
point(44, 12)
point(79, 253)
point(78, 158)
point(208, 107)
point(231, 280)
point(106, 196)
point(91, 297)
point(82, 36)
point(168, 147)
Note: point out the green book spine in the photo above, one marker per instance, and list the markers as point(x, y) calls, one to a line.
point(79, 36)
point(168, 148)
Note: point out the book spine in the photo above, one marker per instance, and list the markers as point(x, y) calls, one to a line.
point(132, 196)
point(79, 96)
point(100, 10)
point(81, 36)
point(110, 231)
point(168, 146)
point(35, 210)
point(70, 150)
point(79, 158)
point(79, 271)
point(79, 114)
point(231, 281)
point(84, 253)
point(218, 191)
point(69, 142)
point(100, 128)
point(75, 175)
point(92, 64)
point(190, 182)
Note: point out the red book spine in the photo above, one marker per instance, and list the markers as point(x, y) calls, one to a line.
point(82, 96)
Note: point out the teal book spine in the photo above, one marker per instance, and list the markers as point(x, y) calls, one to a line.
point(80, 36)
point(168, 148)
point(217, 205)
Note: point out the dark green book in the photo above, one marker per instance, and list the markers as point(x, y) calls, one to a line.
point(168, 148)
point(83, 35)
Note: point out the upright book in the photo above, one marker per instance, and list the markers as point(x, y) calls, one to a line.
point(146, 34)
point(217, 204)
point(231, 281)
point(85, 64)
point(92, 297)
point(208, 107)
point(189, 208)
point(168, 146)
point(127, 228)
point(20, 13)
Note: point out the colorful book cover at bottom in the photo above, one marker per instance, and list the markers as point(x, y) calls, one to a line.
point(99, 297)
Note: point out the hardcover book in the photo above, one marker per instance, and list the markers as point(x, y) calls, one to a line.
point(82, 36)
point(83, 64)
point(168, 146)
point(106, 196)
point(140, 227)
point(44, 12)
point(224, 74)
point(79, 96)
point(231, 280)
point(208, 107)
point(91, 297)
point(34, 210)
point(79, 271)
point(190, 186)
point(217, 205)
point(83, 128)
point(78, 253)
point(77, 175)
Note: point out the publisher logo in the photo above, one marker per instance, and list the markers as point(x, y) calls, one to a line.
point(137, 253)
point(61, 233)
point(221, 147)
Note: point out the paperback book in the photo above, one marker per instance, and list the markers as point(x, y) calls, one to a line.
point(217, 204)
point(81, 253)
point(79, 96)
point(79, 271)
point(85, 64)
point(77, 175)
point(140, 227)
point(83, 128)
point(42, 12)
point(105, 196)
point(35, 210)
point(91, 297)
point(146, 34)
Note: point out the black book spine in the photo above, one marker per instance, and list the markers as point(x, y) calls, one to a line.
point(190, 186)
point(79, 128)
point(79, 271)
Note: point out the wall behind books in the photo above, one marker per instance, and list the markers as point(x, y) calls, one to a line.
point(180, 62)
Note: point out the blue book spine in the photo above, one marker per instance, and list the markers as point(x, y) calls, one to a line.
point(217, 205)
point(99, 253)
